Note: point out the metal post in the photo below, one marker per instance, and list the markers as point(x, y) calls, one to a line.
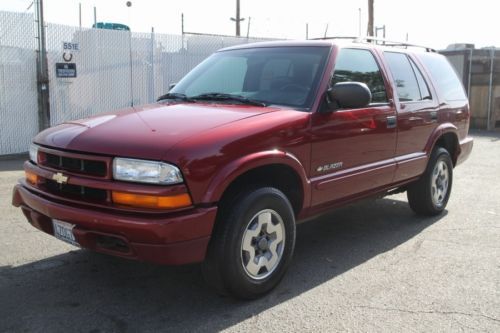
point(152, 59)
point(359, 22)
point(248, 26)
point(42, 71)
point(131, 69)
point(129, 4)
point(470, 73)
point(95, 17)
point(182, 30)
point(490, 88)
point(80, 15)
point(307, 30)
point(182, 23)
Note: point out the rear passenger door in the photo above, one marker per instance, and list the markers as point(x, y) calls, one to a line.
point(417, 113)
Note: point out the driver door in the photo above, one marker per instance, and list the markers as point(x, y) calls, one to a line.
point(353, 149)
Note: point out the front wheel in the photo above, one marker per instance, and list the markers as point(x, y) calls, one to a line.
point(429, 195)
point(252, 245)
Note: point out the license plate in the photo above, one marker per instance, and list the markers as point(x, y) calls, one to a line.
point(64, 231)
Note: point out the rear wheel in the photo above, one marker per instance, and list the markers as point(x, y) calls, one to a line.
point(252, 245)
point(429, 195)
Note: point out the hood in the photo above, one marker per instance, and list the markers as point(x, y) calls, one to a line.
point(145, 132)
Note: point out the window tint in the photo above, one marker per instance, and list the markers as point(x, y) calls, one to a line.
point(272, 70)
point(403, 76)
point(444, 76)
point(360, 66)
point(273, 75)
point(226, 76)
point(424, 89)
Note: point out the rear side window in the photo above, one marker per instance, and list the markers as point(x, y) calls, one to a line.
point(356, 65)
point(444, 76)
point(422, 85)
point(403, 76)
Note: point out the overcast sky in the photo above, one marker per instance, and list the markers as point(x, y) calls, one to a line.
point(436, 23)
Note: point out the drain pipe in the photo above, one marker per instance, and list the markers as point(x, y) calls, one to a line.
point(490, 89)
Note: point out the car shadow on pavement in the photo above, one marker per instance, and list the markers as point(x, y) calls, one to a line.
point(88, 292)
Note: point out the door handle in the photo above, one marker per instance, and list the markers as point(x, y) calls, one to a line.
point(391, 121)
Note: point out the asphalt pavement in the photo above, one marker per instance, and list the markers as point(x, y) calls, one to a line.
point(369, 267)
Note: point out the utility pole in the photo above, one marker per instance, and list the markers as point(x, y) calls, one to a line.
point(42, 71)
point(237, 19)
point(369, 30)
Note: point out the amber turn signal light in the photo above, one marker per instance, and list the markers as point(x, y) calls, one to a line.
point(31, 177)
point(152, 201)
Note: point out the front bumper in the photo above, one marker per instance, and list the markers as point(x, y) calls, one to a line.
point(178, 238)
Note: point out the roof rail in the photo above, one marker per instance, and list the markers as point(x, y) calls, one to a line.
point(378, 41)
point(386, 42)
point(335, 37)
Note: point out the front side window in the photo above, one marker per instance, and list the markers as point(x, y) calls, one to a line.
point(357, 65)
point(287, 76)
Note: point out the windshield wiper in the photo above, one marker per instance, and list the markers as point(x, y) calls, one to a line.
point(227, 97)
point(181, 97)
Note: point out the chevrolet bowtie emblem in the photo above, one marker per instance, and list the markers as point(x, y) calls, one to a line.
point(60, 178)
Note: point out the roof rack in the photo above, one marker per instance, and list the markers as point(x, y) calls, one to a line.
point(378, 41)
point(386, 42)
point(334, 37)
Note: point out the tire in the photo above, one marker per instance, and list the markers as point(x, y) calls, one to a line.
point(252, 244)
point(429, 195)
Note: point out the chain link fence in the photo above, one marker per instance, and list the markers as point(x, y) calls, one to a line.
point(114, 69)
point(18, 90)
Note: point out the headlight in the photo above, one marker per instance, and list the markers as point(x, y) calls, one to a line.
point(142, 171)
point(34, 153)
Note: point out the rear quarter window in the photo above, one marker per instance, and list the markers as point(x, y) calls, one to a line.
point(444, 77)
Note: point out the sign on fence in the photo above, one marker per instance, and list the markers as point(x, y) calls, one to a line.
point(65, 70)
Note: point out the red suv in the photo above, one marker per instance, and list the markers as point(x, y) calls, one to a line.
point(252, 141)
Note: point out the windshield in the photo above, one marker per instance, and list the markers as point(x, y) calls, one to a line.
point(273, 75)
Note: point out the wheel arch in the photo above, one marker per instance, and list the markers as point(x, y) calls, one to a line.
point(445, 136)
point(268, 168)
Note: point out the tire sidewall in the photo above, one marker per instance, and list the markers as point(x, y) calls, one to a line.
point(441, 154)
point(237, 280)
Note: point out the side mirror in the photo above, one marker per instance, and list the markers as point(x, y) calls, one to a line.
point(171, 86)
point(350, 95)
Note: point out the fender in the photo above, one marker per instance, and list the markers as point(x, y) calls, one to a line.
point(437, 133)
point(232, 170)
